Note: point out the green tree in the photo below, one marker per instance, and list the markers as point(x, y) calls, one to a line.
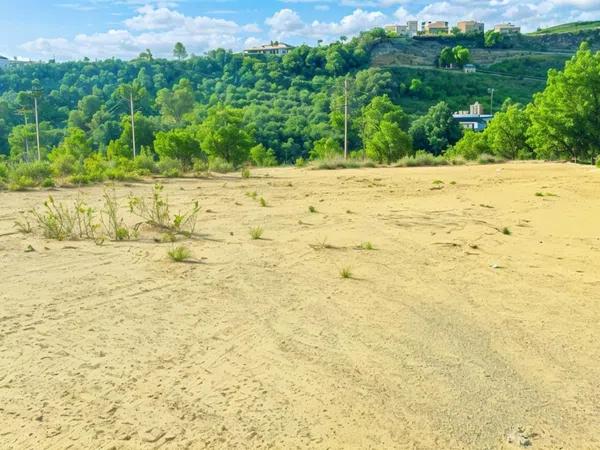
point(179, 51)
point(326, 148)
point(565, 117)
point(175, 103)
point(180, 143)
point(447, 57)
point(381, 110)
point(436, 130)
point(389, 143)
point(492, 39)
point(462, 55)
point(263, 157)
point(224, 134)
point(471, 146)
point(506, 133)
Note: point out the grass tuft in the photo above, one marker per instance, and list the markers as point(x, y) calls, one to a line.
point(346, 273)
point(256, 233)
point(506, 231)
point(179, 254)
point(262, 202)
point(312, 209)
point(366, 246)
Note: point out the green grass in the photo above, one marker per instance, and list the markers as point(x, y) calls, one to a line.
point(366, 246)
point(346, 273)
point(256, 233)
point(179, 254)
point(573, 27)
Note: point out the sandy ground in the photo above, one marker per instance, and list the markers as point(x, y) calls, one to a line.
point(450, 334)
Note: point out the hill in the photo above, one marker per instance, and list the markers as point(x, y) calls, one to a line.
point(574, 27)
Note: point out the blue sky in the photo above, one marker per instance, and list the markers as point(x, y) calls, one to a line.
point(73, 29)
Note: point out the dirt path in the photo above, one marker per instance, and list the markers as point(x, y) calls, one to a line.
point(451, 334)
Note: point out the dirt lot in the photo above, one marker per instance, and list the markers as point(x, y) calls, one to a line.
point(451, 334)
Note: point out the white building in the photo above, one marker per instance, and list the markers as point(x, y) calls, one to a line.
point(4, 62)
point(274, 48)
point(507, 28)
point(473, 119)
point(470, 68)
point(410, 29)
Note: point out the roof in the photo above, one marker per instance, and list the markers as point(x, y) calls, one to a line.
point(438, 24)
point(277, 46)
point(472, 116)
point(506, 25)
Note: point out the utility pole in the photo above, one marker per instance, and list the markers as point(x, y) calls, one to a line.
point(132, 121)
point(37, 127)
point(491, 91)
point(346, 118)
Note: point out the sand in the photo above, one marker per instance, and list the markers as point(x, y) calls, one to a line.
point(450, 334)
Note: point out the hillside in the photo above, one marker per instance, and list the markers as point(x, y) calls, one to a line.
point(574, 27)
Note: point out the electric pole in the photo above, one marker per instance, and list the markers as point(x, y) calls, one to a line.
point(346, 118)
point(132, 121)
point(491, 91)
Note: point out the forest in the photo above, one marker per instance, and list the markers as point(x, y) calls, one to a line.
point(223, 110)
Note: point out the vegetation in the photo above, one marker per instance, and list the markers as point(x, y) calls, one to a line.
point(222, 112)
point(346, 273)
point(179, 254)
point(573, 27)
point(256, 233)
point(562, 122)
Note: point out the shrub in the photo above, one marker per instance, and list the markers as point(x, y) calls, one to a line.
point(64, 164)
point(60, 222)
point(3, 171)
point(485, 158)
point(245, 172)
point(300, 162)
point(262, 202)
point(156, 213)
point(312, 209)
point(201, 167)
point(30, 173)
point(262, 156)
point(144, 164)
point(114, 225)
point(422, 159)
point(341, 163)
point(170, 168)
point(179, 254)
point(219, 165)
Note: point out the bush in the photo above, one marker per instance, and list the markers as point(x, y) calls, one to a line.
point(30, 173)
point(144, 164)
point(300, 162)
point(341, 163)
point(201, 167)
point(3, 171)
point(422, 159)
point(485, 158)
point(170, 168)
point(263, 157)
point(219, 165)
point(64, 164)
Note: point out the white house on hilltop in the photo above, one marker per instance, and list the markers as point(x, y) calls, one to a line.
point(274, 48)
point(4, 62)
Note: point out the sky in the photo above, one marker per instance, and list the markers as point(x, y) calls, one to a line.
point(97, 29)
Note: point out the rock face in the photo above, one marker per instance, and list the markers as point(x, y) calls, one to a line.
point(423, 50)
